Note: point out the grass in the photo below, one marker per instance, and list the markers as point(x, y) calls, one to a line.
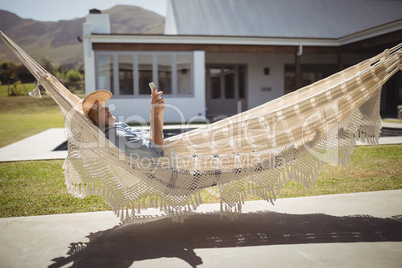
point(398, 121)
point(37, 188)
point(21, 88)
point(24, 116)
point(371, 169)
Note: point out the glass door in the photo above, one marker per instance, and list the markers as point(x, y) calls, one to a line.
point(225, 89)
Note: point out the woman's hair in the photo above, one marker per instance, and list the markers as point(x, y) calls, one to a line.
point(93, 114)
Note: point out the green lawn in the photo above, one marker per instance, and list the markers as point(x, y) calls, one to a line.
point(37, 188)
point(20, 88)
point(24, 116)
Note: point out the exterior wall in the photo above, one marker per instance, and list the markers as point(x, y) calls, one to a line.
point(94, 23)
point(99, 23)
point(170, 22)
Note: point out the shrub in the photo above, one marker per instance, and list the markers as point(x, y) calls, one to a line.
point(17, 89)
point(73, 76)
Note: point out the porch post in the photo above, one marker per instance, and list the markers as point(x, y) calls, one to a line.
point(199, 81)
point(340, 61)
point(298, 70)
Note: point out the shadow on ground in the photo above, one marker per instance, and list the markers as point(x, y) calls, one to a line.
point(151, 238)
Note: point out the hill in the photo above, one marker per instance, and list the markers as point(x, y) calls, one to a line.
point(57, 41)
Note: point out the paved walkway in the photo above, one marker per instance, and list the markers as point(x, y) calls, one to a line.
point(36, 147)
point(346, 230)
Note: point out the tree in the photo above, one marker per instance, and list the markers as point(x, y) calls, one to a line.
point(47, 64)
point(7, 75)
point(23, 74)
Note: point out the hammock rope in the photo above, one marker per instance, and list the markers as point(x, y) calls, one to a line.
point(254, 152)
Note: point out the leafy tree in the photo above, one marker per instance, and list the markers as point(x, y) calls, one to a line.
point(23, 74)
point(47, 64)
point(59, 73)
point(7, 75)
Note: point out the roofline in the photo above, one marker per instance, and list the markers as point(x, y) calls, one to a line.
point(245, 40)
point(209, 39)
point(372, 32)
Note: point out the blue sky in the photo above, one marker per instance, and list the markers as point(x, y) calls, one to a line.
point(54, 10)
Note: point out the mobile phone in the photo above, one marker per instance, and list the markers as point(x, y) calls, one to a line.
point(151, 86)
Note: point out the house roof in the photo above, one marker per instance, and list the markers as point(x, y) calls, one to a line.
point(280, 18)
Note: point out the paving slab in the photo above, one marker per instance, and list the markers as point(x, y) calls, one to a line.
point(37, 147)
point(396, 124)
point(344, 230)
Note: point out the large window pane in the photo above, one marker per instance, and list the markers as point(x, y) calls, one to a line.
point(215, 74)
point(144, 73)
point(165, 73)
point(229, 82)
point(105, 72)
point(126, 74)
point(183, 65)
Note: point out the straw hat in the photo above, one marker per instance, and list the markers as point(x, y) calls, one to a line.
point(99, 95)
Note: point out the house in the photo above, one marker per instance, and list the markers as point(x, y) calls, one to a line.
point(221, 57)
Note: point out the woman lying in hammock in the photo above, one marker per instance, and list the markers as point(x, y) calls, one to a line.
point(134, 142)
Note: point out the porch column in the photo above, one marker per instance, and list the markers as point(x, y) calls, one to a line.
point(298, 70)
point(340, 61)
point(199, 81)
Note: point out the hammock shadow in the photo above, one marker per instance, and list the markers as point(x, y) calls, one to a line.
point(151, 238)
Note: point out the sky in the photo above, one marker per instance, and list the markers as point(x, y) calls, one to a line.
point(54, 10)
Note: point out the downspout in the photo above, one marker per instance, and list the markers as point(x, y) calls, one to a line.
point(298, 67)
point(300, 52)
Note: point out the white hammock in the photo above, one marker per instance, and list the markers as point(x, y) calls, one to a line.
point(249, 153)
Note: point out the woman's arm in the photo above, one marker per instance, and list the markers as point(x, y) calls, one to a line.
point(156, 120)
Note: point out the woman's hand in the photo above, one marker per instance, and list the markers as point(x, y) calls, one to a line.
point(157, 103)
point(156, 120)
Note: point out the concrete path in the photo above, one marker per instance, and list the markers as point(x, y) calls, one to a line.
point(36, 147)
point(393, 123)
point(346, 230)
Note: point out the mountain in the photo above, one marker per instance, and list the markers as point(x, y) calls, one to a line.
point(57, 41)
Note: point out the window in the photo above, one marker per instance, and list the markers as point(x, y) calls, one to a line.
point(126, 85)
point(183, 72)
point(165, 74)
point(171, 72)
point(229, 82)
point(144, 73)
point(226, 81)
point(215, 73)
point(310, 73)
point(105, 72)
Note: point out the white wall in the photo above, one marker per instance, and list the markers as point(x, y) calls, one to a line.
point(170, 21)
point(94, 23)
